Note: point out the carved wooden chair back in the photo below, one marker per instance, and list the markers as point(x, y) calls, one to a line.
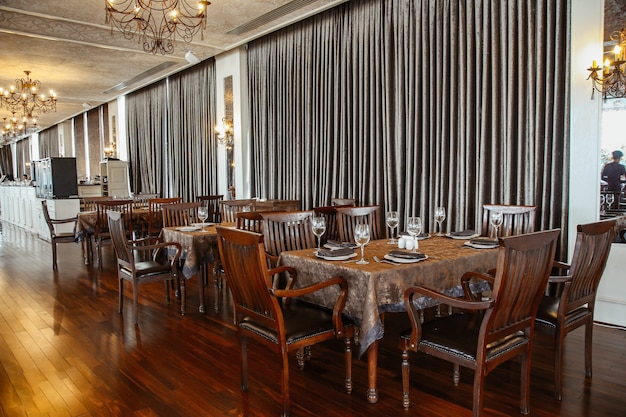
point(287, 230)
point(251, 221)
point(180, 214)
point(230, 207)
point(330, 214)
point(214, 206)
point(349, 217)
point(516, 220)
point(155, 213)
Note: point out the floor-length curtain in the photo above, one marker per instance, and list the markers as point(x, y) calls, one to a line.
point(411, 104)
point(192, 149)
point(6, 160)
point(49, 142)
point(147, 139)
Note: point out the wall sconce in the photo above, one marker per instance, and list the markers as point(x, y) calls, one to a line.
point(110, 151)
point(225, 132)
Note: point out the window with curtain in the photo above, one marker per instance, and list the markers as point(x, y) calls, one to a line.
point(78, 126)
point(49, 142)
point(415, 104)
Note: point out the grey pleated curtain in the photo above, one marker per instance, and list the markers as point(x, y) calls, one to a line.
point(192, 150)
point(413, 104)
point(171, 142)
point(6, 160)
point(49, 142)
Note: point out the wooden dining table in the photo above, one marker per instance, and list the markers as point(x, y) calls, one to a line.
point(376, 288)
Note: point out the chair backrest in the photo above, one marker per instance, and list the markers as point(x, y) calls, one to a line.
point(593, 244)
point(155, 213)
point(213, 204)
point(91, 203)
point(180, 214)
point(516, 220)
point(243, 258)
point(330, 214)
point(140, 201)
point(124, 206)
point(287, 230)
point(348, 217)
point(118, 232)
point(251, 221)
point(522, 272)
point(230, 207)
point(343, 202)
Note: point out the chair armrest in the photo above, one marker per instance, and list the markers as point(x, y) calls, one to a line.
point(156, 247)
point(293, 274)
point(559, 279)
point(63, 221)
point(465, 279)
point(339, 303)
point(411, 293)
point(560, 265)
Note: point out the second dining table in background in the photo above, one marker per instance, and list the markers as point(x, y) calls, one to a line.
point(376, 288)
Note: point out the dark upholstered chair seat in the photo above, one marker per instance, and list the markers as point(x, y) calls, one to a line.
point(145, 268)
point(301, 320)
point(548, 313)
point(458, 335)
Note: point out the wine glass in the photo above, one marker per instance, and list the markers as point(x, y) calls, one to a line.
point(440, 216)
point(203, 214)
point(602, 201)
point(414, 228)
point(392, 222)
point(318, 224)
point(362, 237)
point(610, 199)
point(496, 221)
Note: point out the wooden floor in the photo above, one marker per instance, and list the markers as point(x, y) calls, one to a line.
point(65, 351)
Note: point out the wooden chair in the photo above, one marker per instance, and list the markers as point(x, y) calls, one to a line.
point(516, 220)
point(60, 237)
point(348, 217)
point(213, 203)
point(343, 202)
point(573, 305)
point(102, 236)
point(155, 213)
point(180, 214)
point(330, 214)
point(502, 332)
point(287, 230)
point(292, 326)
point(140, 201)
point(91, 203)
point(230, 207)
point(251, 221)
point(138, 269)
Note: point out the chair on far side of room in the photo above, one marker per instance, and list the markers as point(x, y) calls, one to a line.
point(283, 327)
point(251, 221)
point(571, 305)
point(349, 217)
point(180, 214)
point(490, 331)
point(57, 237)
point(101, 232)
point(212, 202)
point(155, 213)
point(516, 220)
point(229, 208)
point(287, 230)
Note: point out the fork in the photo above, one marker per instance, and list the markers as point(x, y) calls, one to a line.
point(385, 261)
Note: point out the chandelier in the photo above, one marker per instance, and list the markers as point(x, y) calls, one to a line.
point(612, 83)
point(13, 128)
point(157, 22)
point(225, 132)
point(24, 97)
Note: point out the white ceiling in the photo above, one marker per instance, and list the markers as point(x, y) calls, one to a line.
point(69, 48)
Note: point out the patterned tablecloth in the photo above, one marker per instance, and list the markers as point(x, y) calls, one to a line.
point(86, 223)
point(379, 287)
point(199, 247)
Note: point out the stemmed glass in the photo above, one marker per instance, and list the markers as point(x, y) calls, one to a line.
point(440, 216)
point(392, 222)
point(496, 221)
point(414, 228)
point(602, 201)
point(318, 224)
point(610, 199)
point(362, 237)
point(203, 214)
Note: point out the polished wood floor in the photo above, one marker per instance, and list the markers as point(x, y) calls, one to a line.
point(65, 351)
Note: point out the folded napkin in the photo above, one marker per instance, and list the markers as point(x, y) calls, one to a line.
point(335, 244)
point(484, 241)
point(462, 233)
point(406, 255)
point(332, 253)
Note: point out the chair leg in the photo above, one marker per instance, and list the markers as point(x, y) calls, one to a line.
point(167, 291)
point(121, 298)
point(244, 363)
point(588, 346)
point(348, 354)
point(54, 255)
point(456, 374)
point(405, 379)
point(99, 247)
point(183, 297)
point(285, 382)
point(558, 364)
point(300, 358)
point(525, 383)
point(479, 384)
point(135, 303)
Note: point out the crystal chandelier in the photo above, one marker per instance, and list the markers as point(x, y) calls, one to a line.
point(612, 83)
point(14, 128)
point(24, 97)
point(157, 22)
point(225, 132)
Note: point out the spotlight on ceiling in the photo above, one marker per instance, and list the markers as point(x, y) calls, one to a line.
point(191, 57)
